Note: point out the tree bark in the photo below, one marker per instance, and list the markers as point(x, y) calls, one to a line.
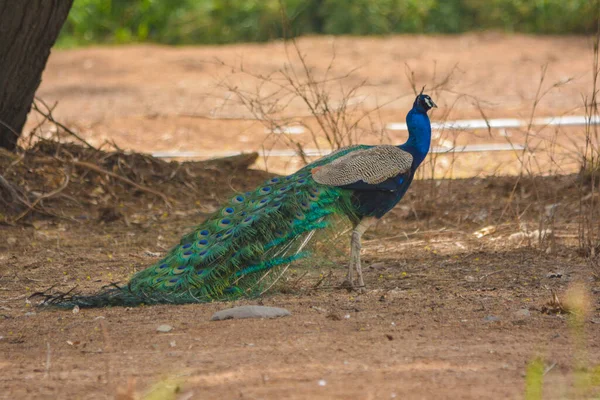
point(28, 30)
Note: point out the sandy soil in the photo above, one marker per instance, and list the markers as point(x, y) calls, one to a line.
point(445, 315)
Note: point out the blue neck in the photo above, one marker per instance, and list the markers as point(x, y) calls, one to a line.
point(419, 135)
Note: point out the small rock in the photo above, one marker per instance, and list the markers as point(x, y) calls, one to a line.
point(164, 328)
point(29, 314)
point(322, 382)
point(109, 214)
point(76, 309)
point(488, 230)
point(379, 266)
point(470, 278)
point(531, 236)
point(334, 317)
point(250, 312)
point(491, 318)
point(11, 241)
point(522, 313)
point(172, 344)
point(517, 237)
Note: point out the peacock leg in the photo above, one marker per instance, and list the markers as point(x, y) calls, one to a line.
point(355, 246)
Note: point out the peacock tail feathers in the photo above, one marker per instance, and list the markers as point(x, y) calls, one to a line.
point(237, 251)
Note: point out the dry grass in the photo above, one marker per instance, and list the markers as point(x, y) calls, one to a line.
point(589, 233)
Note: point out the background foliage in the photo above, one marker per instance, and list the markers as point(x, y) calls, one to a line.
point(228, 21)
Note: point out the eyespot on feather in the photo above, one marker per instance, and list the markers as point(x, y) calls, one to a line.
point(171, 282)
point(279, 234)
point(228, 233)
point(224, 223)
point(179, 270)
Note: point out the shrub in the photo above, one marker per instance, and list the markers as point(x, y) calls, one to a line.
point(228, 21)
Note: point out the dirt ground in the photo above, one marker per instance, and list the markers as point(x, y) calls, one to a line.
point(459, 288)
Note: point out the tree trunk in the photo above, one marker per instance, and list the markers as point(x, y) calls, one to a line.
point(28, 30)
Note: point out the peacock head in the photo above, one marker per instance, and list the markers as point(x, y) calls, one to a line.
point(423, 102)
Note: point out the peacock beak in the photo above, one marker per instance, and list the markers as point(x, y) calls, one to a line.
point(429, 104)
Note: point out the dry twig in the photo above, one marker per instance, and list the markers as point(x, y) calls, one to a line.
point(48, 116)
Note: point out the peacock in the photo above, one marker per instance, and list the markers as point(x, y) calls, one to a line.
point(237, 250)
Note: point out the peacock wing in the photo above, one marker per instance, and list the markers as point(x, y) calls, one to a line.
point(372, 166)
